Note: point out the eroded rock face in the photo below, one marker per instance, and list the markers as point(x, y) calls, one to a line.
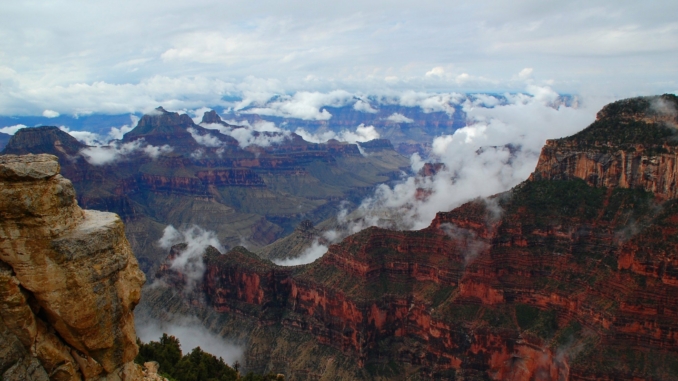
point(68, 280)
point(570, 276)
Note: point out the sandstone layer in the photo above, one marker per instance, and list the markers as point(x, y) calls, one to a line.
point(68, 280)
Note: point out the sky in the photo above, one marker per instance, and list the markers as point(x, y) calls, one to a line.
point(79, 57)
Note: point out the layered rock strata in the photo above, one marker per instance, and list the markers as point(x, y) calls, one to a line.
point(68, 280)
point(566, 277)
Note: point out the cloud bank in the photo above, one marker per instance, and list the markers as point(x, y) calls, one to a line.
point(361, 134)
point(497, 149)
point(58, 61)
point(191, 334)
point(313, 252)
point(189, 261)
point(261, 133)
point(117, 151)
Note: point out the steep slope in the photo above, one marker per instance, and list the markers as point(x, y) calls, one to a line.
point(252, 195)
point(564, 277)
point(68, 280)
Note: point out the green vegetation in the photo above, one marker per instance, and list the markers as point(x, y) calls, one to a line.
point(628, 122)
point(652, 364)
point(550, 199)
point(195, 366)
point(542, 323)
point(389, 369)
point(498, 316)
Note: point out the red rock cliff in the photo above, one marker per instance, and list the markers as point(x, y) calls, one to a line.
point(576, 278)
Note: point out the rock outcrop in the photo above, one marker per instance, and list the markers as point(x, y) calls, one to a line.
point(68, 280)
point(632, 144)
point(576, 278)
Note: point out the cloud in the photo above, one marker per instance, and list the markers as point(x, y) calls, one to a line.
point(117, 151)
point(470, 245)
point(206, 140)
point(304, 105)
point(94, 139)
point(361, 134)
point(198, 114)
point(399, 118)
point(71, 63)
point(189, 261)
point(497, 149)
point(261, 133)
point(118, 133)
point(191, 334)
point(11, 130)
point(526, 73)
point(429, 102)
point(310, 254)
point(50, 114)
point(437, 71)
point(364, 106)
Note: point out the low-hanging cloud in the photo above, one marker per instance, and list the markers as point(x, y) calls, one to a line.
point(313, 252)
point(191, 334)
point(364, 106)
point(397, 117)
point(117, 151)
point(206, 140)
point(260, 133)
point(303, 105)
point(361, 134)
point(498, 149)
point(468, 239)
point(189, 261)
point(11, 130)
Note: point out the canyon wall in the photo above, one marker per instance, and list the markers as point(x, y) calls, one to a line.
point(68, 280)
point(572, 275)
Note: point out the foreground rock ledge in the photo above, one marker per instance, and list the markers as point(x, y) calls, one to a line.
point(68, 280)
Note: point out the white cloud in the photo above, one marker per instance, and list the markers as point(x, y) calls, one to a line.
point(103, 155)
point(361, 134)
point(189, 261)
point(526, 73)
point(262, 133)
point(430, 102)
point(437, 71)
point(364, 106)
point(399, 118)
point(206, 140)
point(50, 114)
point(304, 105)
point(11, 130)
point(191, 334)
point(310, 254)
point(497, 150)
point(198, 114)
point(71, 62)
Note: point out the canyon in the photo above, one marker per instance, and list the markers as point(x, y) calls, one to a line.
point(571, 275)
point(69, 281)
point(170, 171)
